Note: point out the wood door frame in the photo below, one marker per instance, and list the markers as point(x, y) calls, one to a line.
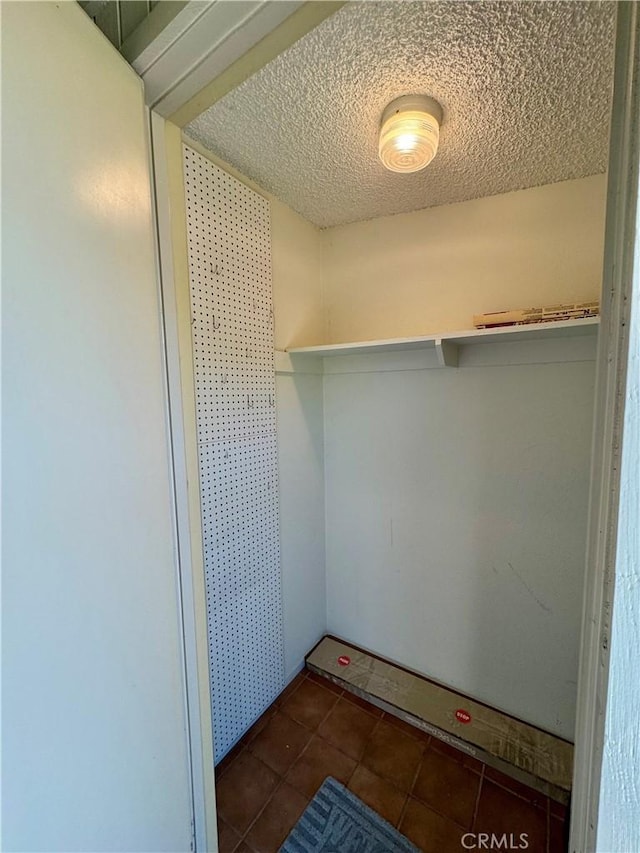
point(611, 382)
point(168, 191)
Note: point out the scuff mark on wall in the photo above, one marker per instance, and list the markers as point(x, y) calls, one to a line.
point(529, 590)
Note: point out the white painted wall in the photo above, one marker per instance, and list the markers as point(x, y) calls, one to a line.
point(439, 482)
point(456, 509)
point(302, 532)
point(430, 271)
point(299, 320)
point(297, 265)
point(94, 744)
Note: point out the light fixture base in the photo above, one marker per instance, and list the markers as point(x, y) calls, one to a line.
point(413, 103)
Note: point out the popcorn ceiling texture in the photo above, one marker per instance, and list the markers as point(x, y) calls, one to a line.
point(525, 88)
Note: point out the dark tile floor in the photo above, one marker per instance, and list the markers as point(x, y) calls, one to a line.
point(430, 791)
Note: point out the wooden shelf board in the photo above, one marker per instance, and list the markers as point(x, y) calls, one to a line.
point(535, 331)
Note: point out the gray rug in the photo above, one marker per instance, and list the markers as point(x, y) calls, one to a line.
point(336, 821)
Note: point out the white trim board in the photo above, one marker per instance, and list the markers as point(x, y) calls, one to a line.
point(599, 610)
point(202, 41)
point(181, 394)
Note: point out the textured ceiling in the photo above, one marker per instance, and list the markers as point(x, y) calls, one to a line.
point(525, 87)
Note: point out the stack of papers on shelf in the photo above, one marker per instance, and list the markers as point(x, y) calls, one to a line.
point(550, 314)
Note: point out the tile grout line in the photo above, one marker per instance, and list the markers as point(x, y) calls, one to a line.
point(295, 689)
point(432, 808)
point(411, 787)
point(477, 805)
point(245, 748)
point(243, 836)
point(359, 762)
point(402, 812)
point(316, 729)
point(259, 813)
point(281, 777)
point(379, 720)
point(313, 733)
point(241, 747)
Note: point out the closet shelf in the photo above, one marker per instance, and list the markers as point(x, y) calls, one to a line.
point(447, 344)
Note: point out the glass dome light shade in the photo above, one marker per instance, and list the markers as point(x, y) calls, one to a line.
point(409, 133)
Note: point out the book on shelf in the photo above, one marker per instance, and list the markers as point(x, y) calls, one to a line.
point(548, 314)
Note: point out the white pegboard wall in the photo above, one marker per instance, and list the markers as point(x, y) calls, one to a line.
point(228, 232)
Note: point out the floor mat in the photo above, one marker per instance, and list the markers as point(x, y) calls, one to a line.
point(336, 821)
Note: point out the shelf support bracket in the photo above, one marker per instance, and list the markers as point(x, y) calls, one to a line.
point(447, 353)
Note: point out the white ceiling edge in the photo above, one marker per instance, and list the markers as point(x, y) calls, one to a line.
point(166, 37)
point(200, 43)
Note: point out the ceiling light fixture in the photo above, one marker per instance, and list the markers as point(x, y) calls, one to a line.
point(409, 133)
